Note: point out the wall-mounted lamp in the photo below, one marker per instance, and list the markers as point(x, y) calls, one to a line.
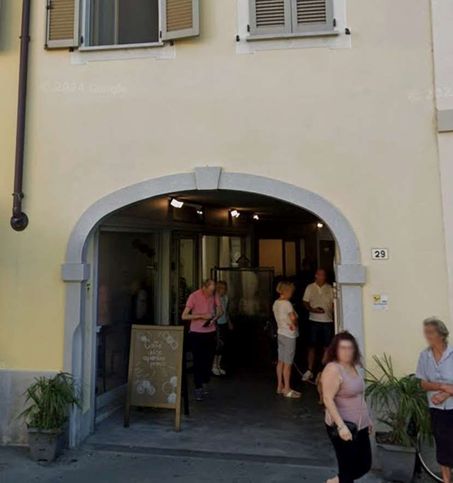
point(320, 225)
point(235, 214)
point(176, 204)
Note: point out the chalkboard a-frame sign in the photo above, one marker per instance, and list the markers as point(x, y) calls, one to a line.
point(155, 369)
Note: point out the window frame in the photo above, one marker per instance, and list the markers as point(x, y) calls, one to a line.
point(87, 28)
point(315, 31)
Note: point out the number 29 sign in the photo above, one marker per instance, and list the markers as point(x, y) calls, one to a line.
point(380, 253)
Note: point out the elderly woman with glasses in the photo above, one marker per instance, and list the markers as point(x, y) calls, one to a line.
point(435, 370)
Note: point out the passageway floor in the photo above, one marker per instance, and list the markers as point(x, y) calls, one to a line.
point(242, 416)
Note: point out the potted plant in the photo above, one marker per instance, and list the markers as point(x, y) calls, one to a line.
point(49, 401)
point(401, 406)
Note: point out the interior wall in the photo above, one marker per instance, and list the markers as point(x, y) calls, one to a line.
point(270, 255)
point(210, 254)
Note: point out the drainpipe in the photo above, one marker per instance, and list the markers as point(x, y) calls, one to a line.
point(19, 219)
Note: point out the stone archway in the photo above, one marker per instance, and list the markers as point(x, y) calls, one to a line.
point(75, 270)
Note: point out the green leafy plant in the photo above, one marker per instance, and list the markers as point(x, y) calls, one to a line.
point(49, 400)
point(401, 403)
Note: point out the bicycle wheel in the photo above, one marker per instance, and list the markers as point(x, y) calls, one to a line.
point(427, 456)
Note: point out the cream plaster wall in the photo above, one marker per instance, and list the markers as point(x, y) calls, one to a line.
point(353, 125)
point(442, 15)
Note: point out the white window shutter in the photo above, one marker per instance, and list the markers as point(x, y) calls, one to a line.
point(62, 24)
point(270, 17)
point(312, 16)
point(180, 18)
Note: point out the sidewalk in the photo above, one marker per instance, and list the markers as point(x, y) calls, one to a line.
point(113, 467)
point(86, 466)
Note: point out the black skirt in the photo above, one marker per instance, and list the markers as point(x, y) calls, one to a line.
point(442, 423)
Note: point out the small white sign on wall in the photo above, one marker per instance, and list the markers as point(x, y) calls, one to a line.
point(380, 302)
point(380, 253)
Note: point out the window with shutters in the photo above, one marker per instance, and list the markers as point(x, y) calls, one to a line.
point(116, 23)
point(285, 18)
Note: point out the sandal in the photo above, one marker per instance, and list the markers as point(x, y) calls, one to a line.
point(292, 394)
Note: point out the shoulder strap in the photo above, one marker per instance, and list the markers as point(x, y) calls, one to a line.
point(341, 370)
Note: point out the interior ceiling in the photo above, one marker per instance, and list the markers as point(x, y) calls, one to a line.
point(242, 201)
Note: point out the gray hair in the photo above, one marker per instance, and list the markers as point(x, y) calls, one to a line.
point(439, 326)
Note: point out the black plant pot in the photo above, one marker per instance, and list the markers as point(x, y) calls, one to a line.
point(397, 462)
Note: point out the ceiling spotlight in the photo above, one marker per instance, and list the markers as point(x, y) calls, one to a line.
point(235, 213)
point(320, 225)
point(256, 217)
point(199, 212)
point(176, 204)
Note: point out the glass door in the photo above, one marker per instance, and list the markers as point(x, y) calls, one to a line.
point(184, 272)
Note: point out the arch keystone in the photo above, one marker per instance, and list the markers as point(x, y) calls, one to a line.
point(207, 177)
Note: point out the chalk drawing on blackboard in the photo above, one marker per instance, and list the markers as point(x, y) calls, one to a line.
point(169, 388)
point(155, 369)
point(146, 341)
point(145, 386)
point(170, 340)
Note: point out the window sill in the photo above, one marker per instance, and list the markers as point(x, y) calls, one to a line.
point(329, 33)
point(87, 54)
point(103, 48)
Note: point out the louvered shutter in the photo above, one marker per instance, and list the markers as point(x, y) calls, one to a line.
point(180, 18)
point(312, 16)
point(62, 24)
point(270, 17)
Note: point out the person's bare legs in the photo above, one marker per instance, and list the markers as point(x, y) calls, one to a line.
point(335, 479)
point(280, 383)
point(446, 474)
point(287, 379)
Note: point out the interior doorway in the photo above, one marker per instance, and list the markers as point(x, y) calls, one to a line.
point(153, 254)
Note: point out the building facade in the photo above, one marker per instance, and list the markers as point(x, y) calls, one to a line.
point(329, 106)
point(442, 14)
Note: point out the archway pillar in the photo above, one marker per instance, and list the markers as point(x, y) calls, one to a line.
point(351, 278)
point(351, 274)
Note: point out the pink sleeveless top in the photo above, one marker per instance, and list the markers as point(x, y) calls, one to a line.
point(350, 400)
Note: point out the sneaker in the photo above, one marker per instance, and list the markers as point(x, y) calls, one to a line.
point(307, 376)
point(216, 371)
point(222, 372)
point(199, 396)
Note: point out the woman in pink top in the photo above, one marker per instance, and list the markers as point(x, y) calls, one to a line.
point(347, 418)
point(202, 310)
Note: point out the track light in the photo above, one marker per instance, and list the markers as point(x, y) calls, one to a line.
point(235, 214)
point(256, 217)
point(199, 212)
point(176, 204)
